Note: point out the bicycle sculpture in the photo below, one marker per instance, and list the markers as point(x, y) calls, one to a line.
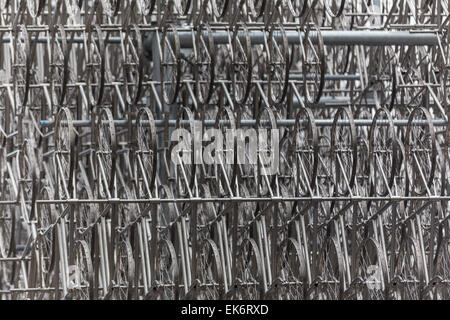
point(209, 149)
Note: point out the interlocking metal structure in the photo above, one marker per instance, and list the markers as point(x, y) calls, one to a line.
point(92, 205)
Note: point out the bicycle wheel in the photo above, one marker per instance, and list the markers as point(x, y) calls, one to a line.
point(267, 161)
point(147, 152)
point(420, 152)
point(106, 149)
point(242, 61)
point(22, 65)
point(45, 224)
point(84, 275)
point(64, 153)
point(209, 271)
point(95, 66)
point(330, 284)
point(291, 269)
point(383, 154)
point(166, 278)
point(371, 269)
point(278, 65)
point(170, 64)
point(226, 162)
point(313, 66)
point(124, 272)
point(133, 64)
point(442, 270)
point(204, 68)
point(344, 151)
point(7, 223)
point(305, 149)
point(60, 54)
point(408, 282)
point(249, 271)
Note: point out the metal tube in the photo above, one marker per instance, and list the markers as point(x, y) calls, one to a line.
point(252, 122)
point(330, 38)
point(111, 40)
point(328, 77)
point(228, 199)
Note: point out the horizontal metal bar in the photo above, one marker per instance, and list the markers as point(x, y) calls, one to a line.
point(330, 38)
point(328, 77)
point(239, 199)
point(378, 38)
point(232, 199)
point(252, 122)
point(111, 40)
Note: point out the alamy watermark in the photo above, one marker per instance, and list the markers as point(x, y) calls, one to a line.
point(234, 146)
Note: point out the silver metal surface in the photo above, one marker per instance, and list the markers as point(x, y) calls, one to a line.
point(212, 149)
